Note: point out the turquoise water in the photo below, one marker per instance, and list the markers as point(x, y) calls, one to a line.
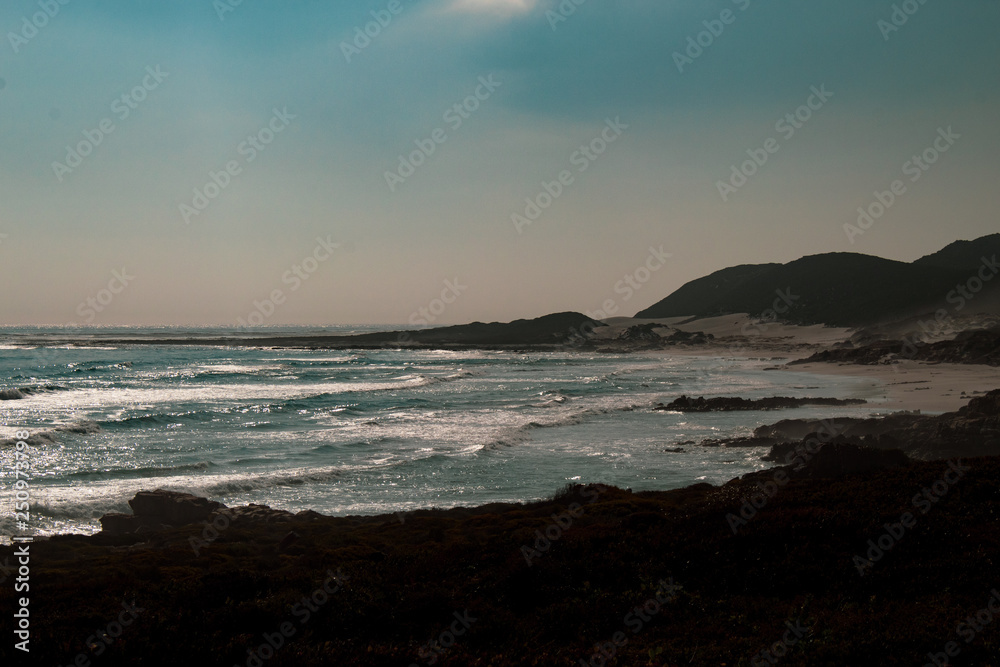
point(362, 432)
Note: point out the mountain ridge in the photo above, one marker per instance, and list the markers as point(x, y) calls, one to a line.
point(841, 288)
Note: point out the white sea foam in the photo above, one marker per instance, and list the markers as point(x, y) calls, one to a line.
point(366, 431)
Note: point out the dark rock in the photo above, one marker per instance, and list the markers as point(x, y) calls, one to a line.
point(119, 523)
point(253, 513)
point(641, 332)
point(837, 459)
point(739, 442)
point(287, 540)
point(726, 403)
point(160, 510)
point(171, 507)
point(974, 430)
point(689, 338)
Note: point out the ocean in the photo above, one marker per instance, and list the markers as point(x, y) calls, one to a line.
point(347, 432)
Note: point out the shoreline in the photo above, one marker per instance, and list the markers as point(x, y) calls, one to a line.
point(915, 385)
point(906, 384)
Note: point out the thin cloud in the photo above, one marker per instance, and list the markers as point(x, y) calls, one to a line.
point(497, 7)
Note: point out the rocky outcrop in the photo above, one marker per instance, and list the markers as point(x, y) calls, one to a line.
point(641, 332)
point(827, 460)
point(689, 338)
point(654, 335)
point(726, 403)
point(837, 459)
point(974, 430)
point(119, 523)
point(171, 508)
point(159, 508)
point(154, 510)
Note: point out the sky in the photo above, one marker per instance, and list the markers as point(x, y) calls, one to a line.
point(271, 162)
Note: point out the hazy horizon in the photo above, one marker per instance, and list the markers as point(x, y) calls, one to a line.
point(291, 117)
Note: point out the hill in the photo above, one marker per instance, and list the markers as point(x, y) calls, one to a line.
point(841, 289)
point(555, 330)
point(963, 255)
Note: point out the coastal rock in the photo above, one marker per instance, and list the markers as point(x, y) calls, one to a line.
point(837, 459)
point(973, 430)
point(689, 338)
point(739, 442)
point(641, 332)
point(287, 541)
point(119, 523)
point(157, 509)
point(727, 403)
point(171, 508)
point(254, 513)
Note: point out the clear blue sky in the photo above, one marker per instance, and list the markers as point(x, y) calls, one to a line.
point(348, 107)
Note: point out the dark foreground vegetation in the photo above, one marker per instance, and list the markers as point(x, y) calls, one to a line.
point(876, 568)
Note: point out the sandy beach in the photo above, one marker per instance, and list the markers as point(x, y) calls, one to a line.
point(915, 385)
point(907, 384)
